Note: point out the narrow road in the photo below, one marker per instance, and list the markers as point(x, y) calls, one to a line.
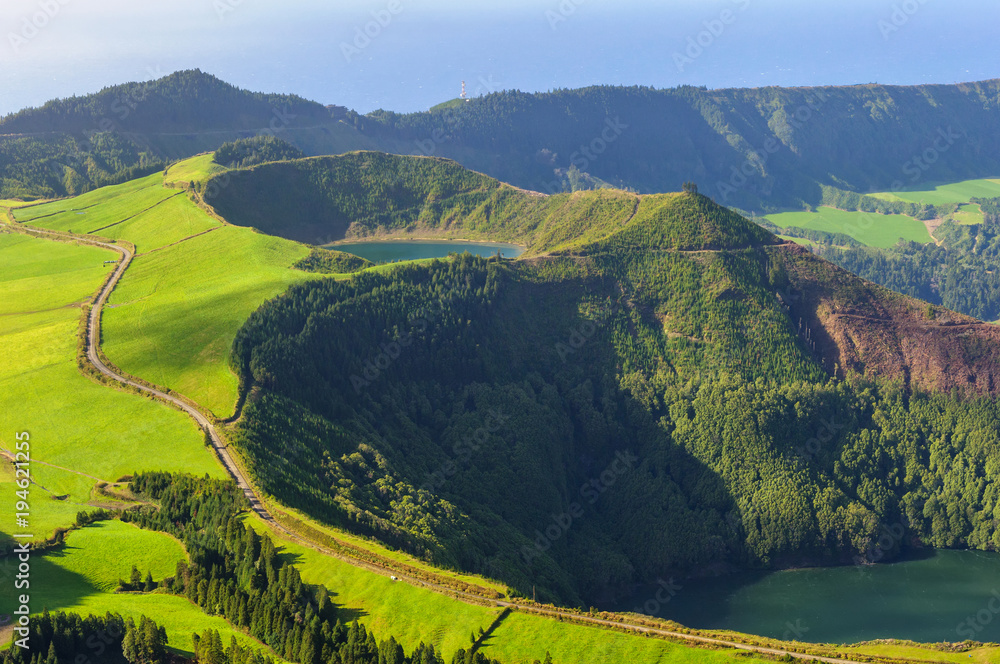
point(94, 336)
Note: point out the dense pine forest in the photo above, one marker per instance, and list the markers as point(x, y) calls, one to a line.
point(646, 402)
point(68, 637)
point(757, 149)
point(69, 146)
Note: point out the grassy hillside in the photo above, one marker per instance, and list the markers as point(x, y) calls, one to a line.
point(74, 423)
point(196, 169)
point(373, 194)
point(83, 575)
point(873, 230)
point(173, 316)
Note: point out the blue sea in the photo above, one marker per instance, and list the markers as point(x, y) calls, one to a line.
point(407, 55)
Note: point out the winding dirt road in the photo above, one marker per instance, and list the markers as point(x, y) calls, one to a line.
point(94, 336)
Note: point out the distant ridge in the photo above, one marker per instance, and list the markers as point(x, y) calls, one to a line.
point(758, 149)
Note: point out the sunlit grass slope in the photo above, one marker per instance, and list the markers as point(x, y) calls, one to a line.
point(82, 577)
point(73, 421)
point(874, 230)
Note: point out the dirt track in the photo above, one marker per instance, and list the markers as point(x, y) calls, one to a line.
point(94, 336)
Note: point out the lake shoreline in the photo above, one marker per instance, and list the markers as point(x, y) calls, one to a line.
point(394, 250)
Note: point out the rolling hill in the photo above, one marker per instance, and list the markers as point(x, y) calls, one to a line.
point(758, 149)
point(641, 395)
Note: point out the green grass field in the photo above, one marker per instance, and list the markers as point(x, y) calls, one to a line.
point(968, 214)
point(196, 169)
point(944, 194)
point(911, 652)
point(175, 313)
point(82, 575)
point(84, 201)
point(171, 221)
point(100, 219)
point(413, 614)
point(74, 422)
point(522, 634)
point(874, 230)
point(397, 556)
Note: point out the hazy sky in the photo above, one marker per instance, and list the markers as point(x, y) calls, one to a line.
point(417, 52)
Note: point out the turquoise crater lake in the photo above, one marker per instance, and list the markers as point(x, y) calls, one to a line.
point(408, 250)
point(940, 596)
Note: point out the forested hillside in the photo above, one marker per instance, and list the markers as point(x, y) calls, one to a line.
point(366, 194)
point(680, 394)
point(69, 146)
point(758, 149)
point(961, 273)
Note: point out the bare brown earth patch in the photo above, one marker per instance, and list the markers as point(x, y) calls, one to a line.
point(857, 326)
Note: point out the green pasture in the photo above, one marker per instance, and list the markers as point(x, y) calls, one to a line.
point(171, 221)
point(174, 315)
point(101, 219)
point(968, 214)
point(196, 169)
point(945, 194)
point(82, 575)
point(874, 230)
point(74, 422)
point(88, 200)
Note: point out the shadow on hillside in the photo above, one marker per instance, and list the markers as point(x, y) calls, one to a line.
point(344, 614)
point(53, 587)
